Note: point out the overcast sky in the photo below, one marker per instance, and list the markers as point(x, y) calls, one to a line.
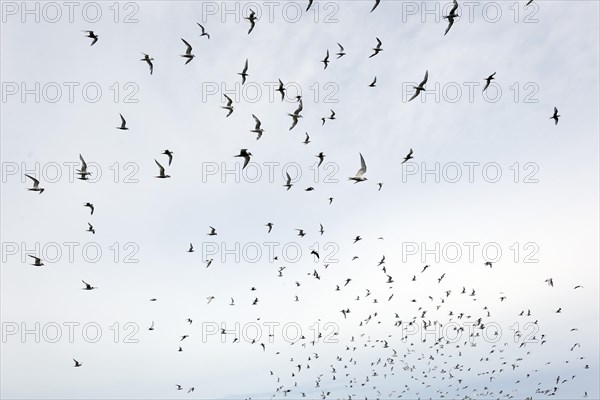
point(508, 179)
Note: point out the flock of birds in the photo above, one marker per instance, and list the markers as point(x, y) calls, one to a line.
point(410, 368)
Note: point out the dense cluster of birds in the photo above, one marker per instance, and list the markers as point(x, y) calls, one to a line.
point(411, 368)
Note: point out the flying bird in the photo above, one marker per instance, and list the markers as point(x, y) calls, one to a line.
point(123, 126)
point(321, 157)
point(188, 52)
point(488, 80)
point(307, 140)
point(191, 249)
point(213, 231)
point(421, 86)
point(310, 3)
point(408, 156)
point(246, 155)
point(77, 363)
point(341, 53)
point(295, 116)
point(93, 36)
point(229, 105)
point(281, 89)
point(359, 174)
point(377, 48)
point(161, 173)
point(148, 60)
point(91, 229)
point(38, 261)
point(88, 286)
point(555, 116)
point(326, 60)
point(83, 174)
point(252, 19)
point(450, 17)
point(288, 185)
point(91, 206)
point(204, 33)
point(244, 72)
point(36, 185)
point(270, 226)
point(372, 84)
point(257, 129)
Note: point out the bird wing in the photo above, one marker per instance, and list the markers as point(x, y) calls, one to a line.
point(229, 101)
point(363, 167)
point(189, 47)
point(123, 122)
point(425, 78)
point(257, 122)
point(35, 181)
point(375, 5)
point(83, 164)
point(162, 169)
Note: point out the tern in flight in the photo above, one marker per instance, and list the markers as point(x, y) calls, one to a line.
point(421, 86)
point(321, 230)
point(188, 52)
point(301, 232)
point(149, 60)
point(38, 261)
point(169, 154)
point(77, 363)
point(204, 33)
point(244, 72)
point(91, 229)
point(488, 80)
point(229, 106)
point(123, 126)
point(246, 155)
point(295, 116)
point(91, 206)
point(374, 82)
point(377, 48)
point(307, 140)
point(408, 156)
point(321, 157)
point(281, 89)
point(555, 116)
point(270, 226)
point(92, 35)
point(36, 185)
point(83, 174)
point(375, 5)
point(191, 249)
point(359, 174)
point(326, 60)
point(341, 53)
point(450, 17)
point(380, 184)
point(288, 185)
point(252, 19)
point(88, 286)
point(161, 173)
point(257, 129)
point(213, 231)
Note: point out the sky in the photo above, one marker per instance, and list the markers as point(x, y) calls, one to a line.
point(492, 179)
